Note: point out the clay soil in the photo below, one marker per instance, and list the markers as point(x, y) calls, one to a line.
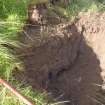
point(66, 60)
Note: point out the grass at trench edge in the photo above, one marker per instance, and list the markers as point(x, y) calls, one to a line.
point(13, 14)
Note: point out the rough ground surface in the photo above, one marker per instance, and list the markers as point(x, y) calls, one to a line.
point(69, 62)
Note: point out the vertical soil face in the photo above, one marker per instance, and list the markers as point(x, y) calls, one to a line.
point(62, 62)
point(95, 35)
point(52, 57)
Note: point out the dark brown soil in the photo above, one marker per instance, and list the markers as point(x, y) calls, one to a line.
point(62, 61)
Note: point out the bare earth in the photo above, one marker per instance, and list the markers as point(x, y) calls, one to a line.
point(69, 62)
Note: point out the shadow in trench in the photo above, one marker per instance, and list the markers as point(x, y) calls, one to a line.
point(65, 66)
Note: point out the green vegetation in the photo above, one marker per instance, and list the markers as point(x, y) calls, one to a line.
point(80, 6)
point(13, 14)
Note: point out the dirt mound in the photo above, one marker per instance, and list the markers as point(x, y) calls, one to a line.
point(68, 62)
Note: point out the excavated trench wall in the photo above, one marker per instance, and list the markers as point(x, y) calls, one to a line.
point(65, 59)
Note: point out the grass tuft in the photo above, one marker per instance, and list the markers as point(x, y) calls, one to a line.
point(13, 14)
point(80, 6)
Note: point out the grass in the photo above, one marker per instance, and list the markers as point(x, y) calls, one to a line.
point(13, 14)
point(80, 6)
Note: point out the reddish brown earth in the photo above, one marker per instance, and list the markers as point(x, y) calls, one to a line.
point(66, 60)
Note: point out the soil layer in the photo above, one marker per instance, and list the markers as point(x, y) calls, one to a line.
point(66, 60)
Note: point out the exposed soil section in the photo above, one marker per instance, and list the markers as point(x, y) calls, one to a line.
point(95, 35)
point(54, 55)
point(65, 59)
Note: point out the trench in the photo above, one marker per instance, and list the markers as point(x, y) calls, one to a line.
point(58, 59)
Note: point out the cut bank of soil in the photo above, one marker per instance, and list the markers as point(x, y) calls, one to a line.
point(68, 62)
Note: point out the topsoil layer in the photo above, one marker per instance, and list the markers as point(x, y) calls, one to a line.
point(66, 60)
